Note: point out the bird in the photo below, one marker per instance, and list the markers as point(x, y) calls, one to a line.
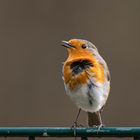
point(86, 79)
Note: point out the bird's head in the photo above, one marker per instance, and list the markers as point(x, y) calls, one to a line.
point(78, 48)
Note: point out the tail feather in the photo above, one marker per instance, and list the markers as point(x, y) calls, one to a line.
point(94, 119)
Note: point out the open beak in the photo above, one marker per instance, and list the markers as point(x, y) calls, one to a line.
point(67, 45)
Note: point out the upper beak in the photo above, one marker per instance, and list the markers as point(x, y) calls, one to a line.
point(67, 45)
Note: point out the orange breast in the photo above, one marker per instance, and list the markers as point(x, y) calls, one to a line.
point(96, 72)
point(73, 81)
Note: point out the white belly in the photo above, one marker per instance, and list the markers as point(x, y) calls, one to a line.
point(89, 100)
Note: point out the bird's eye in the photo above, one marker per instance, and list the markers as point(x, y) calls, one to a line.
point(84, 46)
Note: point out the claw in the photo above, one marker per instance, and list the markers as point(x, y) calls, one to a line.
point(99, 127)
point(75, 126)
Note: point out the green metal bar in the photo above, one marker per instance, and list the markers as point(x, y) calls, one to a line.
point(33, 132)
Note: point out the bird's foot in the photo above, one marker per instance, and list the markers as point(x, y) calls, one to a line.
point(99, 127)
point(75, 126)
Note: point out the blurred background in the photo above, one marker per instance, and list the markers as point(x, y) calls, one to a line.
point(31, 56)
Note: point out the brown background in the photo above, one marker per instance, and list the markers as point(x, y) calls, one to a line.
point(31, 87)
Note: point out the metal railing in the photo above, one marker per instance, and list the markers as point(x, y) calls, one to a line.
point(84, 133)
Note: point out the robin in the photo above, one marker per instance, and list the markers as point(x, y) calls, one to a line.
point(86, 79)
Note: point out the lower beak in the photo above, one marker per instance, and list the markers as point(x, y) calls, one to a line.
point(67, 45)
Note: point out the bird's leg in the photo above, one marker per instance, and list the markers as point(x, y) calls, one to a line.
point(76, 122)
point(101, 123)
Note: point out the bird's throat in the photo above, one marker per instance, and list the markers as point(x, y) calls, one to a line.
point(79, 66)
